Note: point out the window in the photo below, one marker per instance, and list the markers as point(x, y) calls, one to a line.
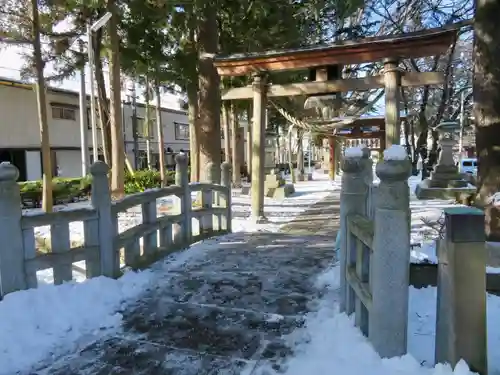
point(63, 113)
point(142, 130)
point(181, 131)
point(89, 120)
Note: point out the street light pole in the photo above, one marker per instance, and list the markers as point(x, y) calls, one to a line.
point(93, 119)
point(91, 29)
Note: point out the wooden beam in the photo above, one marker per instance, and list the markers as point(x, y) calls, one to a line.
point(422, 43)
point(362, 135)
point(409, 79)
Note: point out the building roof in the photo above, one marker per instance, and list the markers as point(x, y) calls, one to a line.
point(408, 45)
point(55, 90)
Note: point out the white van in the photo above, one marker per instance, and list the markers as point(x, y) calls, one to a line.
point(468, 166)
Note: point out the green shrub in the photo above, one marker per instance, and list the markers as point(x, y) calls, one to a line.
point(69, 189)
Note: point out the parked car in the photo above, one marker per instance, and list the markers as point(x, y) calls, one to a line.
point(468, 165)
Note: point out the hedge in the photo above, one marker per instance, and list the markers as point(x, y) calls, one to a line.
point(66, 190)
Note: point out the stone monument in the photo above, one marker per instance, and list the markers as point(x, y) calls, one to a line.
point(445, 181)
point(274, 185)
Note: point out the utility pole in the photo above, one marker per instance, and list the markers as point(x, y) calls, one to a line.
point(161, 139)
point(93, 119)
point(147, 122)
point(83, 119)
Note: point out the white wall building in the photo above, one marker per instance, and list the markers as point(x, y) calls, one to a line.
point(20, 134)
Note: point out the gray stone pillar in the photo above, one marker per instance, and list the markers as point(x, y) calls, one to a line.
point(101, 201)
point(183, 233)
point(352, 201)
point(461, 299)
point(258, 150)
point(390, 260)
point(392, 78)
point(208, 198)
point(12, 275)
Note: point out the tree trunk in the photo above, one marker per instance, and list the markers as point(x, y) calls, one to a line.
point(117, 143)
point(47, 201)
point(159, 127)
point(102, 101)
point(487, 110)
point(290, 156)
point(209, 92)
point(300, 153)
point(278, 146)
point(194, 146)
point(192, 95)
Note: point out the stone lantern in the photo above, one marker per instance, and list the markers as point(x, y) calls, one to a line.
point(445, 173)
point(274, 185)
point(445, 181)
point(270, 152)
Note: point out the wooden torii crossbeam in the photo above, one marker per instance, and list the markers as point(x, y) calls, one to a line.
point(389, 49)
point(408, 79)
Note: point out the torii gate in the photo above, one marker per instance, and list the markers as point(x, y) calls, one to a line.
point(389, 49)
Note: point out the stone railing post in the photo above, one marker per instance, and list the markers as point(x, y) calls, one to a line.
point(12, 276)
point(368, 165)
point(107, 229)
point(368, 175)
point(390, 260)
point(352, 201)
point(182, 179)
point(208, 197)
point(461, 292)
point(226, 181)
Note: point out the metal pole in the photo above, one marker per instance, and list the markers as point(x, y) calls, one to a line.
point(134, 126)
point(83, 120)
point(93, 119)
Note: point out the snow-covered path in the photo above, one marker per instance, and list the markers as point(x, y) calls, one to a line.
point(37, 324)
point(249, 303)
point(223, 310)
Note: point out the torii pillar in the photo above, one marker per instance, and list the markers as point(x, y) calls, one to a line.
point(258, 146)
point(392, 78)
point(333, 72)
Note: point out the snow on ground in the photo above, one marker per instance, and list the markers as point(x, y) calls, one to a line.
point(38, 322)
point(329, 343)
point(426, 223)
point(52, 319)
point(281, 212)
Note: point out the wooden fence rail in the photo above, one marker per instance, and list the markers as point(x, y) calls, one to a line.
point(105, 250)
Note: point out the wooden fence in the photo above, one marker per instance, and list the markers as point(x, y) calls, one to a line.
point(104, 249)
